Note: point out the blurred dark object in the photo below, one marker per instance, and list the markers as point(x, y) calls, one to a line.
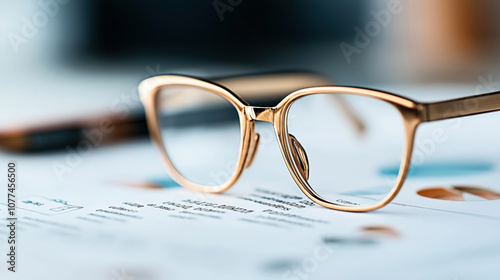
point(115, 28)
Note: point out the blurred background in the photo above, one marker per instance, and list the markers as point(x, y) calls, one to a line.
point(73, 58)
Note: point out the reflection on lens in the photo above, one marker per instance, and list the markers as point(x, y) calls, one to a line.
point(344, 140)
point(200, 132)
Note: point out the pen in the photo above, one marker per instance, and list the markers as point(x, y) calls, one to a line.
point(98, 130)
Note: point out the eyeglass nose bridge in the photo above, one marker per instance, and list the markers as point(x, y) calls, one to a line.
point(265, 114)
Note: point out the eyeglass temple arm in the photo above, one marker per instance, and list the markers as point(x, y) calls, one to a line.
point(266, 85)
point(461, 107)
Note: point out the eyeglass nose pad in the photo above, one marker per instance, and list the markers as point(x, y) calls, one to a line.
point(299, 157)
point(252, 150)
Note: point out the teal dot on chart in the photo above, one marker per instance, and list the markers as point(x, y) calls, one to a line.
point(165, 182)
point(441, 169)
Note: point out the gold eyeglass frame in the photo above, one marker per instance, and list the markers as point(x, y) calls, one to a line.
point(413, 114)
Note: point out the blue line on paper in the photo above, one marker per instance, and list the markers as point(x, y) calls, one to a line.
point(442, 169)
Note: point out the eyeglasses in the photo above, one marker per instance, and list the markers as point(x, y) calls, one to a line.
point(335, 140)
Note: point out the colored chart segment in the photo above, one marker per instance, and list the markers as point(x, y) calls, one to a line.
point(459, 193)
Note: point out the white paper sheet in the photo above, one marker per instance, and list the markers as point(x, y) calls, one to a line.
point(95, 222)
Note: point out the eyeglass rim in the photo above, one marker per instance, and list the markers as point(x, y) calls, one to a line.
point(149, 90)
point(408, 110)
